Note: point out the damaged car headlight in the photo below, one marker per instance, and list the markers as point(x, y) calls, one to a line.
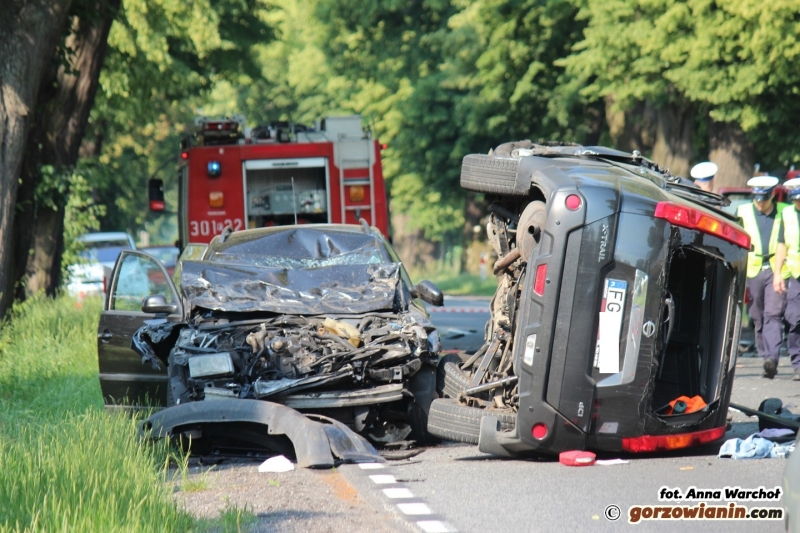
point(212, 364)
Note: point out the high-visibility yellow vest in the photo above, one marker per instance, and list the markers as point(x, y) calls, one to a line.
point(747, 212)
point(791, 236)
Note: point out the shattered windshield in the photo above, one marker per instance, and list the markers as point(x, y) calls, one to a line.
point(305, 270)
point(334, 289)
point(300, 248)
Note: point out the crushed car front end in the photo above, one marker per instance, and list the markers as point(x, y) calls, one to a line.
point(327, 326)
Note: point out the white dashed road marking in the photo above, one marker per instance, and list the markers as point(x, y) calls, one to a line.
point(398, 493)
point(435, 526)
point(414, 508)
point(383, 479)
point(410, 509)
point(370, 466)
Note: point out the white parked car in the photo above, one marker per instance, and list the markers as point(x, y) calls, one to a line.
point(100, 253)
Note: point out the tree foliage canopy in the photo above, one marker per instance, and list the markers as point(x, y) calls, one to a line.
point(437, 79)
point(735, 59)
point(434, 79)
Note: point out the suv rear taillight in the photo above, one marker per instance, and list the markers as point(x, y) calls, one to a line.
point(687, 217)
point(539, 281)
point(651, 443)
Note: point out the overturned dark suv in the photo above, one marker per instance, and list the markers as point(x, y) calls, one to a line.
point(616, 319)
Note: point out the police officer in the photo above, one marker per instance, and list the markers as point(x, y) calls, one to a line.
point(762, 220)
point(703, 175)
point(789, 250)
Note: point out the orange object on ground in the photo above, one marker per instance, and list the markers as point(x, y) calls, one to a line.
point(684, 405)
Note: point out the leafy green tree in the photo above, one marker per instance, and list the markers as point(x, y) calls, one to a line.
point(387, 56)
point(505, 59)
point(442, 79)
point(729, 65)
point(165, 59)
point(29, 35)
point(65, 98)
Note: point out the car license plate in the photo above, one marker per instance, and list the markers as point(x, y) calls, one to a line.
point(606, 355)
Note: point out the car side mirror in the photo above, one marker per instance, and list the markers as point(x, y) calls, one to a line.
point(428, 292)
point(157, 304)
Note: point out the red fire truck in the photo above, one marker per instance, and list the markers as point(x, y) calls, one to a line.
point(276, 174)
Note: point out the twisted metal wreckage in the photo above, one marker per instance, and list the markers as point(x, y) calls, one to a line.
point(331, 336)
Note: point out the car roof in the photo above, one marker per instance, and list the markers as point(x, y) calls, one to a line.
point(105, 236)
point(159, 247)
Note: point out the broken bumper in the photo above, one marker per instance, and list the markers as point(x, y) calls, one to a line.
point(318, 443)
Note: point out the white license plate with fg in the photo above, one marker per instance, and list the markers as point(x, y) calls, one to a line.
point(612, 309)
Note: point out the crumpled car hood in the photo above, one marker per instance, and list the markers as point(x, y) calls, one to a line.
point(306, 291)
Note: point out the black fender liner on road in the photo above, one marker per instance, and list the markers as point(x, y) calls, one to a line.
point(316, 443)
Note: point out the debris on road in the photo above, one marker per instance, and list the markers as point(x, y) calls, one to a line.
point(577, 458)
point(754, 447)
point(611, 462)
point(276, 464)
point(771, 414)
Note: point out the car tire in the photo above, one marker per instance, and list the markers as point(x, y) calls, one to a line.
point(450, 420)
point(455, 381)
point(495, 175)
point(450, 380)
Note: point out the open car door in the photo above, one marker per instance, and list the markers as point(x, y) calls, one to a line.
point(124, 380)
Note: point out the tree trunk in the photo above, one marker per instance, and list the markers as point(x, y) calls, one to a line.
point(664, 134)
point(65, 100)
point(631, 129)
point(674, 136)
point(29, 33)
point(732, 152)
point(411, 246)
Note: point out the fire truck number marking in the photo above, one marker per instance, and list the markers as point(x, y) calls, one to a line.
point(206, 227)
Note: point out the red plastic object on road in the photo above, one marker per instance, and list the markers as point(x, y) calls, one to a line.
point(576, 458)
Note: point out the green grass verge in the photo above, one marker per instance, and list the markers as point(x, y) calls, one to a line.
point(465, 284)
point(66, 465)
point(457, 284)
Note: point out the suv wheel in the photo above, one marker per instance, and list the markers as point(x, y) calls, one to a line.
point(450, 420)
point(450, 380)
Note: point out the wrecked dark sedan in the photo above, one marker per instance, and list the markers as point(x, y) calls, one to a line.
point(319, 319)
point(616, 319)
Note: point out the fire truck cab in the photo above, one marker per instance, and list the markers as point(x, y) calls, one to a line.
point(276, 174)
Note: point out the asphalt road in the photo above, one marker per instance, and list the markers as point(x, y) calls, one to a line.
point(454, 487)
point(461, 489)
point(461, 322)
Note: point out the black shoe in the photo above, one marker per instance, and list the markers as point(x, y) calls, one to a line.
point(796, 376)
point(770, 369)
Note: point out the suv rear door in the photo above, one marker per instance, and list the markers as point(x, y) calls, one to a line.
point(124, 379)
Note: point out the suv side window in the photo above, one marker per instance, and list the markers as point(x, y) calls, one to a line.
point(139, 277)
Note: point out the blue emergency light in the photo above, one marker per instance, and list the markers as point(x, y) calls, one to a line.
point(214, 169)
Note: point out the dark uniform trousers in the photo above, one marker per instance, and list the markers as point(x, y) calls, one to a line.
point(766, 311)
point(792, 318)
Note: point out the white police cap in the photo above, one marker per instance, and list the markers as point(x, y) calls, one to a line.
point(793, 188)
point(762, 186)
point(704, 171)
